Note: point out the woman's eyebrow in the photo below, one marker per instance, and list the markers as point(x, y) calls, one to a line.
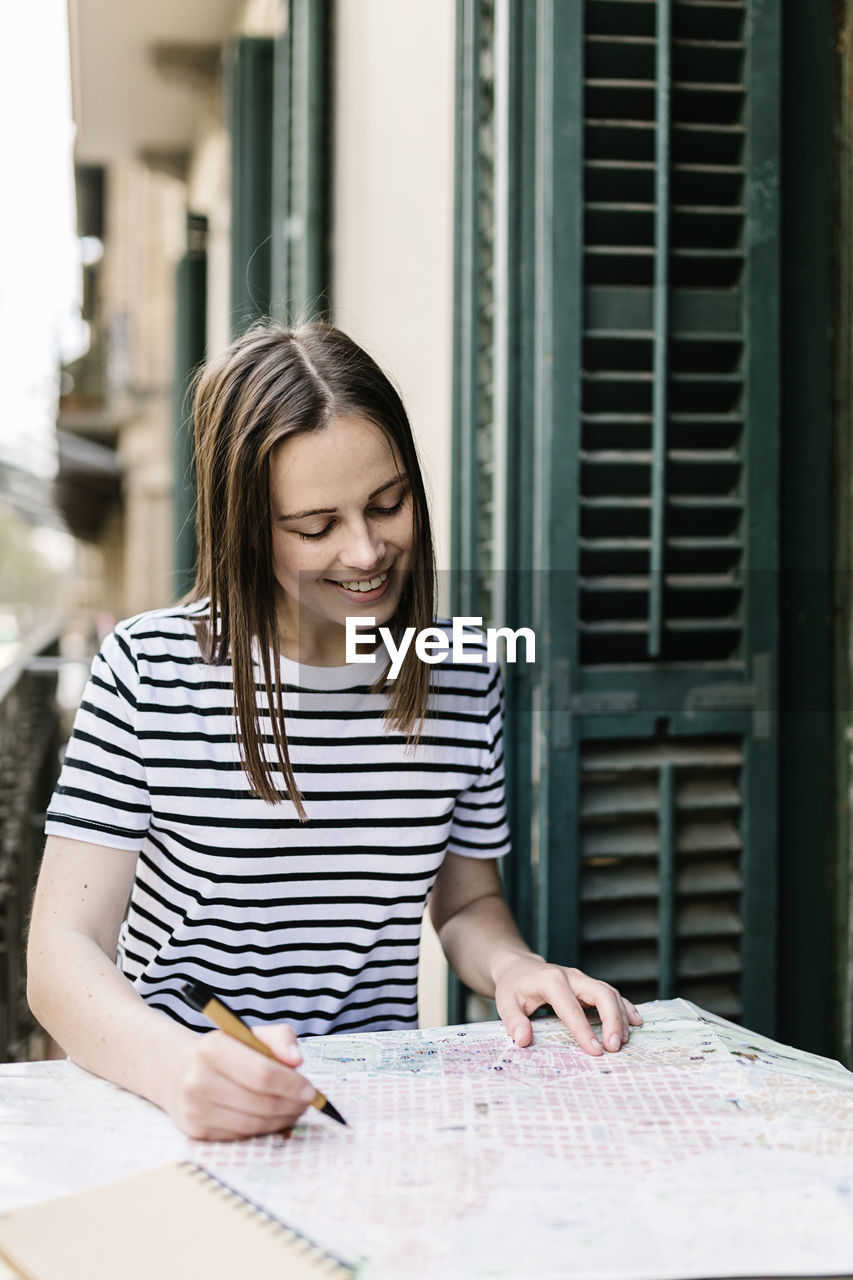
point(330, 511)
point(389, 484)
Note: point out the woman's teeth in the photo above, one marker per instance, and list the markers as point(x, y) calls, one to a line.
point(367, 584)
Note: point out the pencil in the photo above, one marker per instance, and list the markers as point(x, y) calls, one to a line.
point(203, 999)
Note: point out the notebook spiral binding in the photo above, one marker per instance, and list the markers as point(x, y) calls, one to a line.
point(327, 1264)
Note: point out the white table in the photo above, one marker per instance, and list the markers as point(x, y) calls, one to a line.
point(699, 1150)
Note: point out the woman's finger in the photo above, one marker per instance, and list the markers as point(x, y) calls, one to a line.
point(283, 1041)
point(609, 1004)
point(634, 1016)
point(564, 1001)
point(231, 1073)
point(516, 1022)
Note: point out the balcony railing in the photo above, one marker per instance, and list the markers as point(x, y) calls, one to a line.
point(29, 764)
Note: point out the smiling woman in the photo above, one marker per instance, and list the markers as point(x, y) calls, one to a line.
point(298, 434)
point(238, 807)
point(350, 548)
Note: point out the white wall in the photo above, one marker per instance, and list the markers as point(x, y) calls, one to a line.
point(392, 273)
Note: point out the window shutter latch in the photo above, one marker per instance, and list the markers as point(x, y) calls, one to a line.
point(593, 702)
point(755, 697)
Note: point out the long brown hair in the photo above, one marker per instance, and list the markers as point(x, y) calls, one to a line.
point(270, 384)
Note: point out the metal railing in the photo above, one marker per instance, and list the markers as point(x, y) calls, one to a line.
point(29, 764)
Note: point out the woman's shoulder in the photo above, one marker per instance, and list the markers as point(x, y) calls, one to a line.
point(158, 632)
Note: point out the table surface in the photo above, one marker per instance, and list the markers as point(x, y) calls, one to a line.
point(700, 1150)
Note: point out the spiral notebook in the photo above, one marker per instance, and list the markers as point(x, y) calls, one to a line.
point(168, 1223)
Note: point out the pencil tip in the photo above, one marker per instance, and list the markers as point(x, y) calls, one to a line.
point(334, 1113)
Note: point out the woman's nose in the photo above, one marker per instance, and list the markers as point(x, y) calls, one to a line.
point(364, 548)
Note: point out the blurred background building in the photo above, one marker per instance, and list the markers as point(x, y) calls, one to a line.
point(235, 160)
point(603, 248)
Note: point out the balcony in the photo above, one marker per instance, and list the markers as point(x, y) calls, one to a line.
point(30, 741)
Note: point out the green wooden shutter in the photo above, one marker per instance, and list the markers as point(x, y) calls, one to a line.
point(190, 348)
point(300, 192)
point(638, 448)
point(491, 510)
point(250, 96)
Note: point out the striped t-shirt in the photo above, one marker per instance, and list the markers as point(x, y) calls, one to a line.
point(317, 923)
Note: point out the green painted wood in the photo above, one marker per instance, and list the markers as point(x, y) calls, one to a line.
point(762, 382)
point(660, 359)
point(642, 417)
point(190, 349)
point(466, 264)
point(555, 411)
point(807, 699)
point(666, 884)
point(249, 94)
point(281, 227)
point(464, 488)
point(843, 543)
point(301, 163)
point(520, 70)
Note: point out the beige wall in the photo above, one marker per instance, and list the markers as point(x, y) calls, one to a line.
point(143, 242)
point(393, 243)
point(393, 209)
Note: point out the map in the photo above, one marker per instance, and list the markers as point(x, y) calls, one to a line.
point(701, 1149)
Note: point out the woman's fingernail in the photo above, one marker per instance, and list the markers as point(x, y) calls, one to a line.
point(615, 1041)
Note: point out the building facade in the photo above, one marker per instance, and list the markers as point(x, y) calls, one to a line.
point(601, 247)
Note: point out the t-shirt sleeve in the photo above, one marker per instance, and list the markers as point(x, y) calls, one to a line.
point(102, 792)
point(479, 825)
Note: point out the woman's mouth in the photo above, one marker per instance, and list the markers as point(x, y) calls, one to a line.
point(364, 590)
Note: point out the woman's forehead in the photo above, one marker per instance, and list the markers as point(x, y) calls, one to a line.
point(345, 455)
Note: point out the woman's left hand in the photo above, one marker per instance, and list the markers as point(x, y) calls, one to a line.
point(483, 945)
point(527, 982)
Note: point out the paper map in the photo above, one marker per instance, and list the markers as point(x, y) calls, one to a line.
point(700, 1149)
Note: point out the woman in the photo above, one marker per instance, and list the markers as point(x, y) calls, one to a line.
point(239, 806)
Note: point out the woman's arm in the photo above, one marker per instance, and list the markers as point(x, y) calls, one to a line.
point(484, 947)
point(212, 1086)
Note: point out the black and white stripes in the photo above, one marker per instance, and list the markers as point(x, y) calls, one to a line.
point(315, 923)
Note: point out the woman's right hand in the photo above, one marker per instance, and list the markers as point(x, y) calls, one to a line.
point(223, 1090)
point(210, 1084)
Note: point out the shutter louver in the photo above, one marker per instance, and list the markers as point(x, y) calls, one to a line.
point(623, 862)
point(702, 551)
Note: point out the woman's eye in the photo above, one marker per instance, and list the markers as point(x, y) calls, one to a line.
point(390, 511)
point(379, 511)
point(312, 536)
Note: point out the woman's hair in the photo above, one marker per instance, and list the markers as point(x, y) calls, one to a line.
point(273, 383)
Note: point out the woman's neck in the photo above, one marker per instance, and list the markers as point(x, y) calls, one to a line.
point(311, 646)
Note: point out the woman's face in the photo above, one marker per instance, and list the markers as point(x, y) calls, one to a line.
point(342, 532)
